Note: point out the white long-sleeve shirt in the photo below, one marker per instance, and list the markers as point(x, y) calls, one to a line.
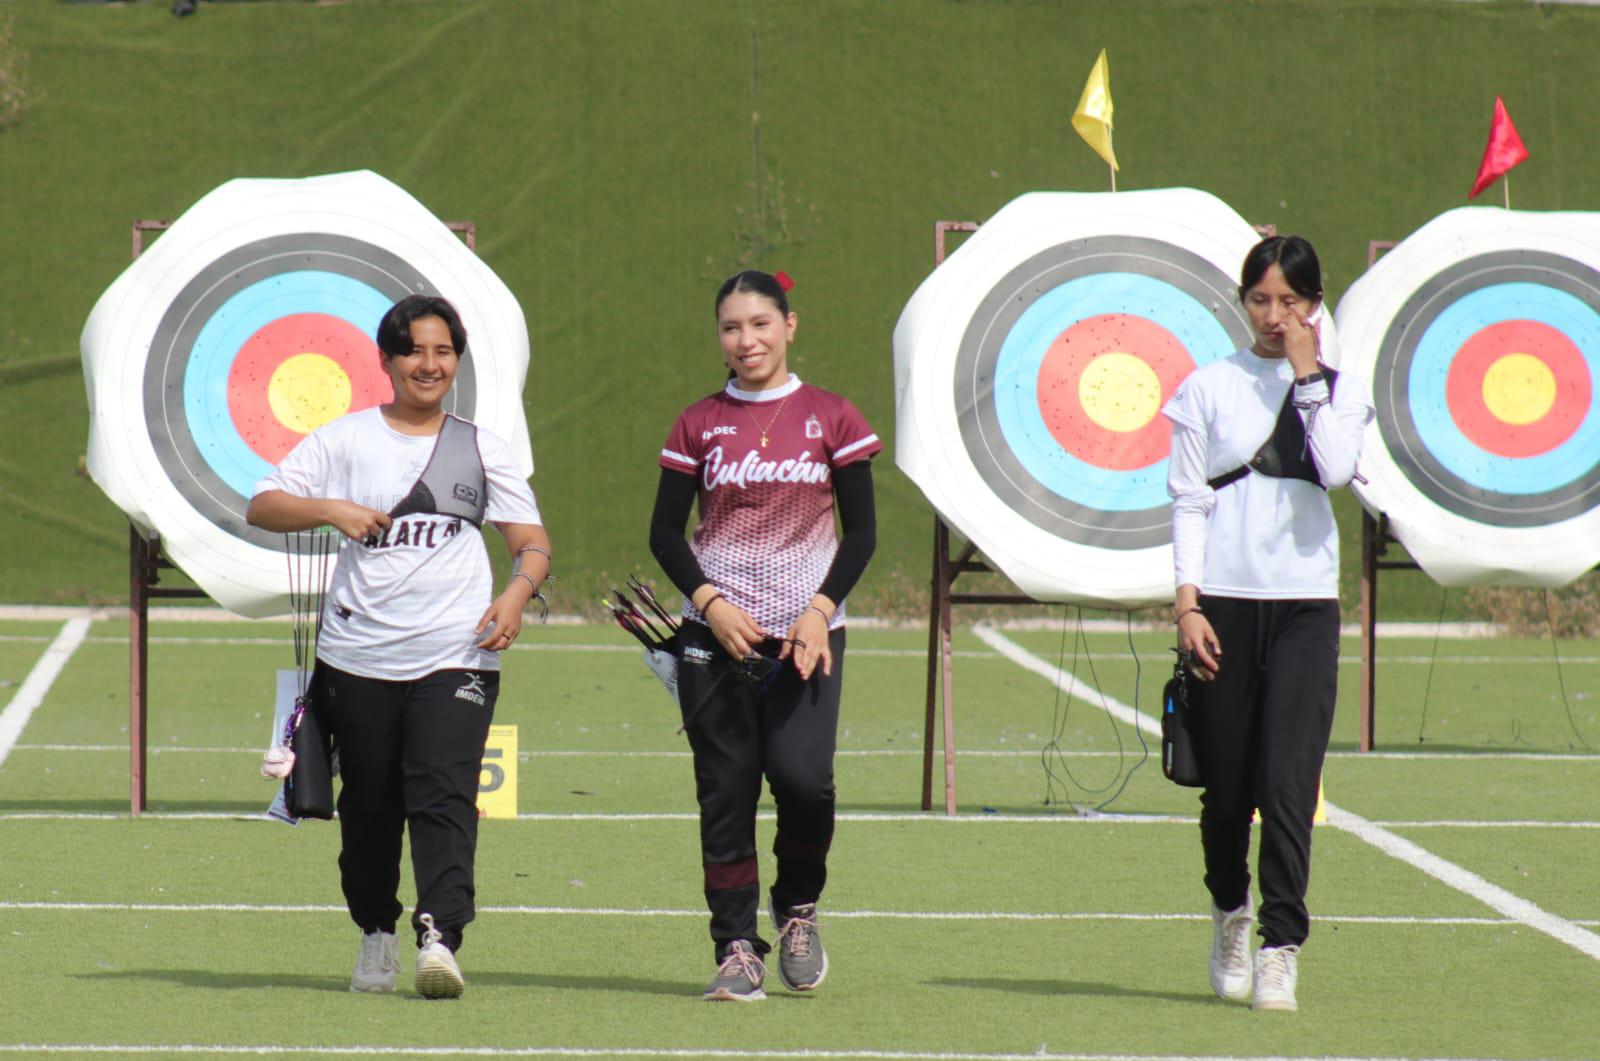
point(1259, 537)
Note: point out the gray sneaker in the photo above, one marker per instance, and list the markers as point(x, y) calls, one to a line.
point(378, 966)
point(1230, 951)
point(802, 963)
point(739, 976)
point(1277, 973)
point(438, 974)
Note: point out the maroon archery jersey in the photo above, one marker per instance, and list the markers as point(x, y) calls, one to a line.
point(766, 534)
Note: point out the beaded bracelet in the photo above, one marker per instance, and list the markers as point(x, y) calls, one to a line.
point(710, 601)
point(1193, 608)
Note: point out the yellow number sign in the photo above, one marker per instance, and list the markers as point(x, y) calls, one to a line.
point(497, 784)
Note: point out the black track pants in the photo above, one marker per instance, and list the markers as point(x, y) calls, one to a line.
point(1261, 733)
point(409, 755)
point(739, 732)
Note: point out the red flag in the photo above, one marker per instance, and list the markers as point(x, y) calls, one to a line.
point(1502, 153)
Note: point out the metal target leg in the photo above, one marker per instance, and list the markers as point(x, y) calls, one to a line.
point(946, 663)
point(939, 591)
point(1369, 628)
point(138, 666)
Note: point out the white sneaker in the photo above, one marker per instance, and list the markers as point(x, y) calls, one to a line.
point(1230, 951)
point(1277, 972)
point(378, 967)
point(438, 975)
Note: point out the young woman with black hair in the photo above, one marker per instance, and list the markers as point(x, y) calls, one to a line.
point(1258, 440)
point(761, 650)
point(407, 668)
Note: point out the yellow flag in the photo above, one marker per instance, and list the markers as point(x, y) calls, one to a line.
point(1092, 119)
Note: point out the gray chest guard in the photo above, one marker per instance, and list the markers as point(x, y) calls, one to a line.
point(453, 483)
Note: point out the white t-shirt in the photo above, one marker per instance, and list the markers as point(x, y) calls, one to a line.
point(1259, 537)
point(408, 605)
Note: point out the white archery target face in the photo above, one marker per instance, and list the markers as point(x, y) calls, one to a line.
point(249, 323)
point(1480, 334)
point(1031, 368)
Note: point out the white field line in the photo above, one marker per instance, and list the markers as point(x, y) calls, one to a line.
point(279, 1050)
point(1391, 844)
point(1156, 622)
point(520, 910)
point(931, 818)
point(32, 691)
point(527, 754)
point(888, 653)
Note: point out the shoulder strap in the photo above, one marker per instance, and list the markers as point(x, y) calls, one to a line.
point(453, 483)
point(1285, 454)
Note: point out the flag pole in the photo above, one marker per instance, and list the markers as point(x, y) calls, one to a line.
point(1505, 186)
point(1109, 166)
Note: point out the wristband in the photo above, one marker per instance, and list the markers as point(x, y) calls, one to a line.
point(1309, 378)
point(826, 618)
point(1192, 609)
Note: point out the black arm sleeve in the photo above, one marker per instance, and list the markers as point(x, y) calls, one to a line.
point(858, 523)
point(674, 497)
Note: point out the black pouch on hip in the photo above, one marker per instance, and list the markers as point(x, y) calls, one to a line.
point(1178, 760)
point(308, 790)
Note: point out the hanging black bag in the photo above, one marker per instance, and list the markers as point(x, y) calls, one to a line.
point(308, 790)
point(1178, 761)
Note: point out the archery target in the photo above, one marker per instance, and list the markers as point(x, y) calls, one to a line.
point(250, 323)
point(1481, 336)
point(1031, 368)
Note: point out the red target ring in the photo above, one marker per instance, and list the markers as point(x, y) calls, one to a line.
point(1518, 388)
point(297, 372)
point(1101, 387)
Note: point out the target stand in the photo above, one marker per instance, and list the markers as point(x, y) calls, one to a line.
point(946, 569)
point(1062, 325)
point(1481, 346)
point(146, 562)
point(1375, 542)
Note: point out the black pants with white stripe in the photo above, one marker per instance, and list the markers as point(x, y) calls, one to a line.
point(410, 754)
point(740, 730)
point(1261, 733)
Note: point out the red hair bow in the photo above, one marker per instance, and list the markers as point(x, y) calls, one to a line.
point(784, 280)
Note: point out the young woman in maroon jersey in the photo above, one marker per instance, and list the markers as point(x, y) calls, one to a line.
point(762, 647)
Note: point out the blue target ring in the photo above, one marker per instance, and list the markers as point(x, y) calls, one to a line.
point(247, 311)
point(1001, 412)
point(1017, 399)
point(1430, 367)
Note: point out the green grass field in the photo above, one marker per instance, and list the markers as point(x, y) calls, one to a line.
point(1014, 929)
point(621, 156)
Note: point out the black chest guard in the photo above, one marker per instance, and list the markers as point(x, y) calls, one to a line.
point(1285, 454)
point(453, 482)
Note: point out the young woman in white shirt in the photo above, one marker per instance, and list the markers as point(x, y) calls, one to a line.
point(1258, 440)
point(407, 668)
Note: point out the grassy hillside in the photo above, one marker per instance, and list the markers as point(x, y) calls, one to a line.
point(619, 158)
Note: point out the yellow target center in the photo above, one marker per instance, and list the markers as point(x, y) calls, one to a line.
point(308, 390)
point(1519, 389)
point(1119, 392)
